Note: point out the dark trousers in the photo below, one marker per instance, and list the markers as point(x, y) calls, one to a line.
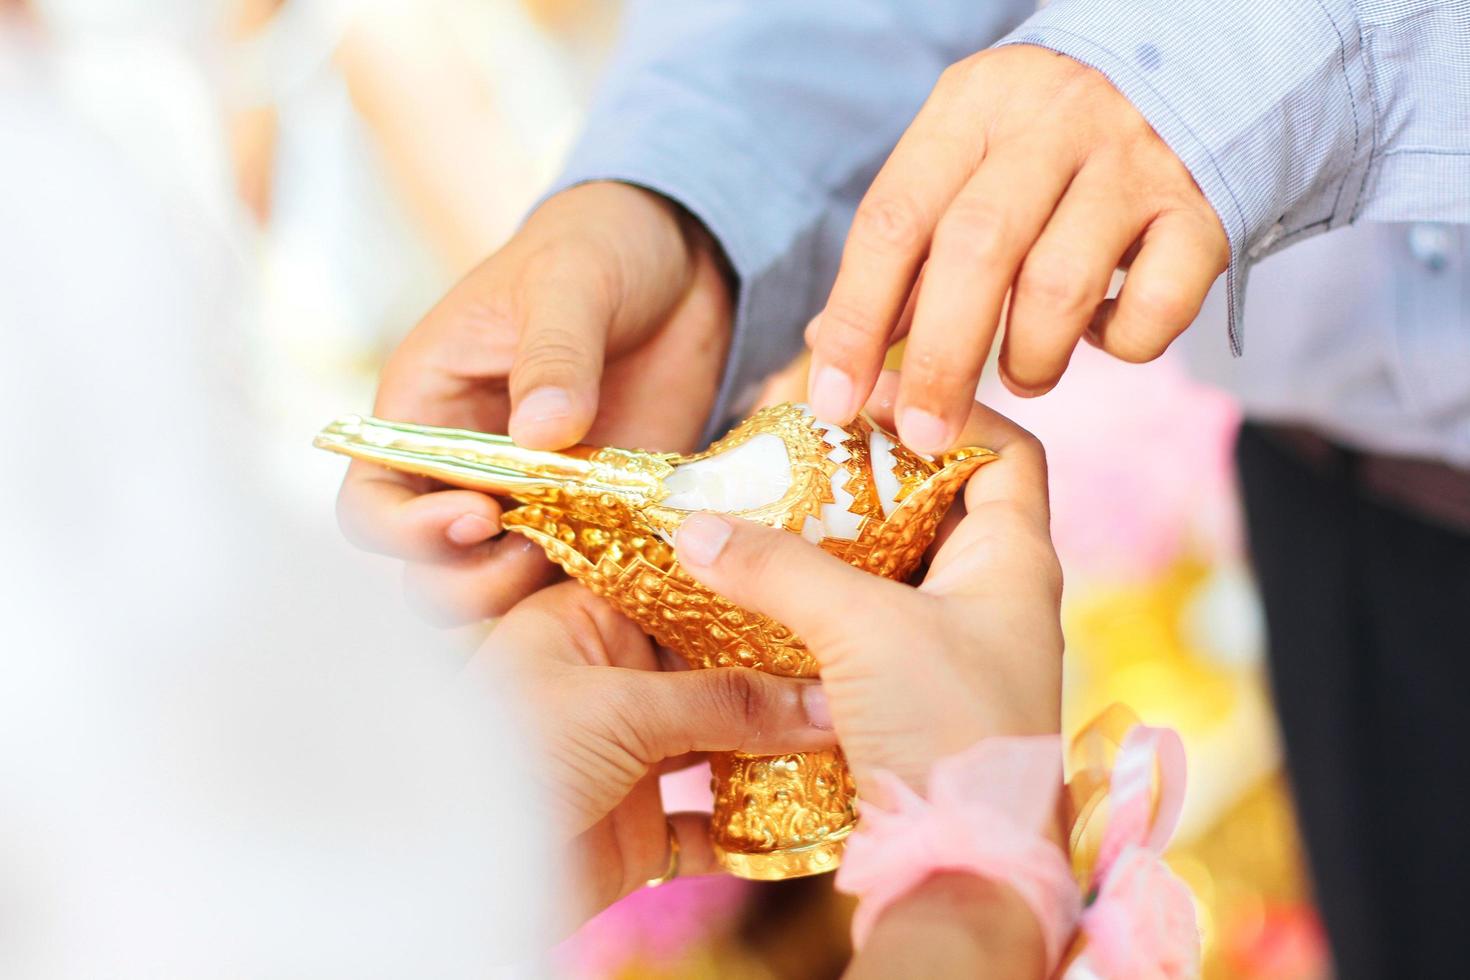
point(1368, 611)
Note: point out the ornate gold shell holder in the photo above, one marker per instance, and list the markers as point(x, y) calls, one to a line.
point(607, 516)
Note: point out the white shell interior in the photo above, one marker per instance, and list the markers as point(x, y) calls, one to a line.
point(758, 472)
point(753, 474)
point(880, 451)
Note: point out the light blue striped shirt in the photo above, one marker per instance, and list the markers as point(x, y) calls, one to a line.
point(767, 120)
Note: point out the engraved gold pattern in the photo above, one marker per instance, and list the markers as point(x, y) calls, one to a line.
point(597, 513)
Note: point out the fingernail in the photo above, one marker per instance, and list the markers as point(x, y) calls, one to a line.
point(544, 405)
point(832, 394)
point(814, 703)
point(701, 538)
point(469, 529)
point(922, 431)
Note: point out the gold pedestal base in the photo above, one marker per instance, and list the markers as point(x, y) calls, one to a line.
point(794, 862)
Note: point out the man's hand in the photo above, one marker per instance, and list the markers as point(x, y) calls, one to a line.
point(1025, 172)
point(605, 318)
point(611, 721)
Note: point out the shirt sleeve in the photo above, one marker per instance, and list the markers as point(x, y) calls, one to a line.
point(1293, 116)
point(766, 120)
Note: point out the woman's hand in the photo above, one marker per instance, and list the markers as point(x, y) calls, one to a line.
point(1025, 173)
point(607, 317)
point(612, 722)
point(913, 674)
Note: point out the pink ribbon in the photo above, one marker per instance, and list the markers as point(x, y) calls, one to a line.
point(986, 814)
point(987, 809)
point(1142, 923)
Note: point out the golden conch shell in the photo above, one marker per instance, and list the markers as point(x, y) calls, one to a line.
point(608, 516)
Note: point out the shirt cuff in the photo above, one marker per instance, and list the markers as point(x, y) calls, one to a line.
point(1265, 101)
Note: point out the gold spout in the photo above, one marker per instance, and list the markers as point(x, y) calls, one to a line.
point(495, 464)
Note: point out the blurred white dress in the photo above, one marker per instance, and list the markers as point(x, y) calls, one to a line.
point(223, 752)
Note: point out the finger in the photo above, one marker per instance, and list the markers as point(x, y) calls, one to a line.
point(889, 238)
point(481, 585)
point(777, 573)
point(1004, 529)
point(952, 518)
point(1165, 287)
point(1063, 279)
point(900, 331)
point(565, 311)
point(1017, 478)
point(725, 709)
point(977, 249)
point(696, 849)
point(388, 513)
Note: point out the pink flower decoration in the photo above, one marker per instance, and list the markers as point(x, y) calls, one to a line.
point(1142, 925)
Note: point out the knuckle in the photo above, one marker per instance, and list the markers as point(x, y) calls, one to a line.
point(1031, 548)
point(554, 352)
point(756, 558)
point(1163, 307)
point(929, 374)
point(1056, 282)
point(1028, 443)
point(555, 261)
point(892, 221)
point(953, 75)
point(849, 330)
point(546, 267)
point(972, 230)
point(739, 696)
point(959, 74)
point(1011, 519)
point(571, 265)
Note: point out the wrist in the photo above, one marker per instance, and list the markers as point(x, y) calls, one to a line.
point(986, 814)
point(951, 920)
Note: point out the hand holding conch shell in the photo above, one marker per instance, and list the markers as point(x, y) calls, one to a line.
point(913, 674)
point(908, 673)
point(608, 516)
point(605, 319)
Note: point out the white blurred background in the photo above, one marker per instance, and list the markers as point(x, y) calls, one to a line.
point(224, 751)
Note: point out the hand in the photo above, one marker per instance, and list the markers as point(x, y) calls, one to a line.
point(914, 674)
point(606, 317)
point(1025, 172)
point(612, 722)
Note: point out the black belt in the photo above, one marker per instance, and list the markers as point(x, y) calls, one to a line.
point(1428, 488)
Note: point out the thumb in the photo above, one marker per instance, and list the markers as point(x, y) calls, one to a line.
point(778, 573)
point(725, 709)
point(565, 309)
